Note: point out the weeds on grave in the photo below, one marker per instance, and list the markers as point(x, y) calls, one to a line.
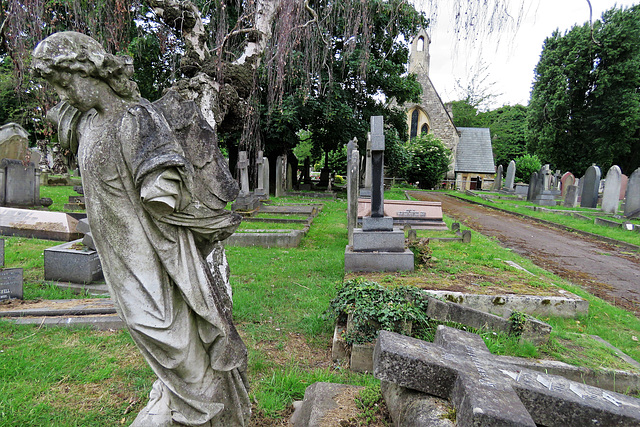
point(517, 320)
point(373, 409)
point(373, 307)
point(421, 250)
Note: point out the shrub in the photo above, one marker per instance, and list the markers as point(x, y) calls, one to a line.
point(429, 161)
point(525, 166)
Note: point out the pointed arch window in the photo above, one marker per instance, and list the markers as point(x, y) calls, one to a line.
point(424, 129)
point(420, 44)
point(414, 124)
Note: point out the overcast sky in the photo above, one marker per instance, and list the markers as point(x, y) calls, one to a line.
point(510, 55)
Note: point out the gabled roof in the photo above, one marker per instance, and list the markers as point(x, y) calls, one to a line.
point(474, 153)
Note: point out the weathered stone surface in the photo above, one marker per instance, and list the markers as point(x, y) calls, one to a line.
point(378, 261)
point(19, 183)
point(571, 196)
point(11, 283)
point(497, 182)
point(319, 400)
point(533, 184)
point(353, 181)
point(418, 214)
point(611, 194)
point(1, 252)
point(157, 224)
point(590, 186)
point(369, 242)
point(567, 179)
point(459, 367)
point(70, 263)
point(14, 142)
point(38, 224)
point(632, 196)
point(511, 175)
point(410, 408)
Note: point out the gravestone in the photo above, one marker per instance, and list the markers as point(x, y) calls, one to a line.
point(259, 190)
point(71, 262)
point(611, 194)
point(417, 214)
point(567, 179)
point(245, 200)
point(305, 176)
point(590, 186)
point(533, 183)
point(571, 196)
point(623, 186)
point(289, 171)
point(366, 191)
point(281, 166)
point(377, 246)
point(497, 182)
point(11, 283)
point(1, 253)
point(488, 390)
point(38, 224)
point(14, 142)
point(511, 176)
point(267, 177)
point(19, 183)
point(353, 174)
point(632, 197)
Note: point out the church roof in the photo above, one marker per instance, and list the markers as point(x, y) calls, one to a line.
point(474, 153)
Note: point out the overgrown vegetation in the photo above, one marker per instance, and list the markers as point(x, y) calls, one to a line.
point(81, 377)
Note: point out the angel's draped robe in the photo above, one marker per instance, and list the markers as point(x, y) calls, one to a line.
point(153, 235)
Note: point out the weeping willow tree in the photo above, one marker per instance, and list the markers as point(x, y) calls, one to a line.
point(238, 59)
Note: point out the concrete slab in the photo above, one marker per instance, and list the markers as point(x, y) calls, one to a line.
point(568, 306)
point(38, 224)
point(378, 261)
point(320, 399)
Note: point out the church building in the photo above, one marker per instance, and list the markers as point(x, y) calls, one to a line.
point(472, 165)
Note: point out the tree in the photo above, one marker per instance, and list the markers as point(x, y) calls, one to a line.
point(224, 43)
point(429, 161)
point(508, 132)
point(526, 165)
point(585, 103)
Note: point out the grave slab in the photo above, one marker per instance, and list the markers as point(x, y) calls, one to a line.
point(320, 399)
point(38, 224)
point(11, 283)
point(459, 367)
point(418, 214)
point(71, 262)
point(1, 253)
point(378, 261)
point(363, 241)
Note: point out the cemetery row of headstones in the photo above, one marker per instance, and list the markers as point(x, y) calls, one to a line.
point(545, 188)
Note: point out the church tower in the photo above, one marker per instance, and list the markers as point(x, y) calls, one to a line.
point(420, 58)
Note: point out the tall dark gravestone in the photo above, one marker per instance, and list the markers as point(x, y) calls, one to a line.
point(590, 187)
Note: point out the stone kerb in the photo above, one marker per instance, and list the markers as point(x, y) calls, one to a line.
point(487, 390)
point(611, 194)
point(590, 187)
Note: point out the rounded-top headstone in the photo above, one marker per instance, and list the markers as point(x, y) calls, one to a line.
point(632, 196)
point(590, 187)
point(611, 194)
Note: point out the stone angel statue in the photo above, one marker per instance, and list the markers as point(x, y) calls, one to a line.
point(156, 188)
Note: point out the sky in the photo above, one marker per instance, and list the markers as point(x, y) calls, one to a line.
point(508, 56)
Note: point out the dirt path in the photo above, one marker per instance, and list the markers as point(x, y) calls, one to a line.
point(604, 270)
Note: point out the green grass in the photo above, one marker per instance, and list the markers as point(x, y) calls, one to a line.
point(518, 206)
point(84, 378)
point(59, 194)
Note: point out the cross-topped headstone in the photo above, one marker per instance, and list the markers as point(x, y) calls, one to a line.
point(259, 191)
point(486, 390)
point(243, 168)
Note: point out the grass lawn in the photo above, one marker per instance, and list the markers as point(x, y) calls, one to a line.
point(84, 378)
point(561, 215)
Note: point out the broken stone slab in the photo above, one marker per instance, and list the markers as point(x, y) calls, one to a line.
point(11, 284)
point(99, 322)
point(485, 391)
point(533, 330)
point(38, 224)
point(320, 399)
point(568, 305)
point(410, 408)
point(73, 307)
